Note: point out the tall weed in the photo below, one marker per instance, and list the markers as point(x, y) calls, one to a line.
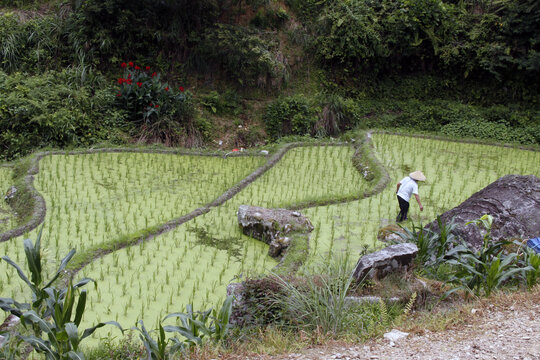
point(320, 301)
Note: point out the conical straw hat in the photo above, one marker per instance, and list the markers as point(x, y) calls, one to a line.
point(418, 176)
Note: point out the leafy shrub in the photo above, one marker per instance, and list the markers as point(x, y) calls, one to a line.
point(501, 123)
point(53, 109)
point(225, 103)
point(242, 54)
point(292, 115)
point(488, 130)
point(270, 18)
point(33, 44)
point(259, 306)
point(120, 29)
point(337, 115)
point(19, 3)
point(161, 113)
point(306, 9)
point(347, 34)
point(433, 116)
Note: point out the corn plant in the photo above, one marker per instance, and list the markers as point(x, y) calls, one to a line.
point(485, 269)
point(39, 291)
point(432, 245)
point(155, 349)
point(62, 326)
point(54, 312)
point(529, 260)
point(194, 327)
point(11, 348)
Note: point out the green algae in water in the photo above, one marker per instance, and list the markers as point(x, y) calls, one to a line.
point(174, 269)
point(95, 198)
point(454, 172)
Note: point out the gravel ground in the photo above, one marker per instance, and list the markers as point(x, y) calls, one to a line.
point(511, 331)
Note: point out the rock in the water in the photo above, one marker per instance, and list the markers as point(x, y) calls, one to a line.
point(272, 226)
point(514, 203)
point(10, 194)
point(383, 262)
point(390, 233)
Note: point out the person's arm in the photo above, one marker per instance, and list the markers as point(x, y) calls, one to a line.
point(418, 201)
point(398, 185)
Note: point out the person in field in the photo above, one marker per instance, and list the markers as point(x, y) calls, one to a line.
point(405, 188)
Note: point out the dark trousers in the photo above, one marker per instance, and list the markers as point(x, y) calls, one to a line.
point(404, 209)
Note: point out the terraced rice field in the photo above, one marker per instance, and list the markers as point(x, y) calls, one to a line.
point(93, 199)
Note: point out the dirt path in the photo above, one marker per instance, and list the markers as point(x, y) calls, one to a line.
point(500, 331)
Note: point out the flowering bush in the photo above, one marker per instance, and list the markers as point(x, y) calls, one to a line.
point(162, 112)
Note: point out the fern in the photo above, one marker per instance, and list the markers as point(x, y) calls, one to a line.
point(385, 319)
point(410, 304)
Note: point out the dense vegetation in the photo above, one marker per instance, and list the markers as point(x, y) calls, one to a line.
point(239, 73)
point(463, 68)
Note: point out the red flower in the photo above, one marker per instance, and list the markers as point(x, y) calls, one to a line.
point(123, 65)
point(137, 67)
point(167, 88)
point(154, 74)
point(235, 150)
point(148, 68)
point(139, 84)
point(129, 76)
point(157, 105)
point(129, 82)
point(181, 88)
point(151, 105)
point(130, 63)
point(120, 81)
point(119, 94)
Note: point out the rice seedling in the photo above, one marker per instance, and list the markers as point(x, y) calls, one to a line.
point(454, 172)
point(93, 198)
point(96, 198)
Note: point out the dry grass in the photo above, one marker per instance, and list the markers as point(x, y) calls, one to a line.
point(455, 314)
point(458, 312)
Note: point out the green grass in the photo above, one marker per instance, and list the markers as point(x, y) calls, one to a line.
point(7, 218)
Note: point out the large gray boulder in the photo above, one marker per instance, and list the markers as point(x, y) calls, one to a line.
point(514, 203)
point(383, 262)
point(272, 226)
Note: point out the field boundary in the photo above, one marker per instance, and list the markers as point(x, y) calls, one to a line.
point(92, 254)
point(30, 167)
point(363, 160)
point(37, 215)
